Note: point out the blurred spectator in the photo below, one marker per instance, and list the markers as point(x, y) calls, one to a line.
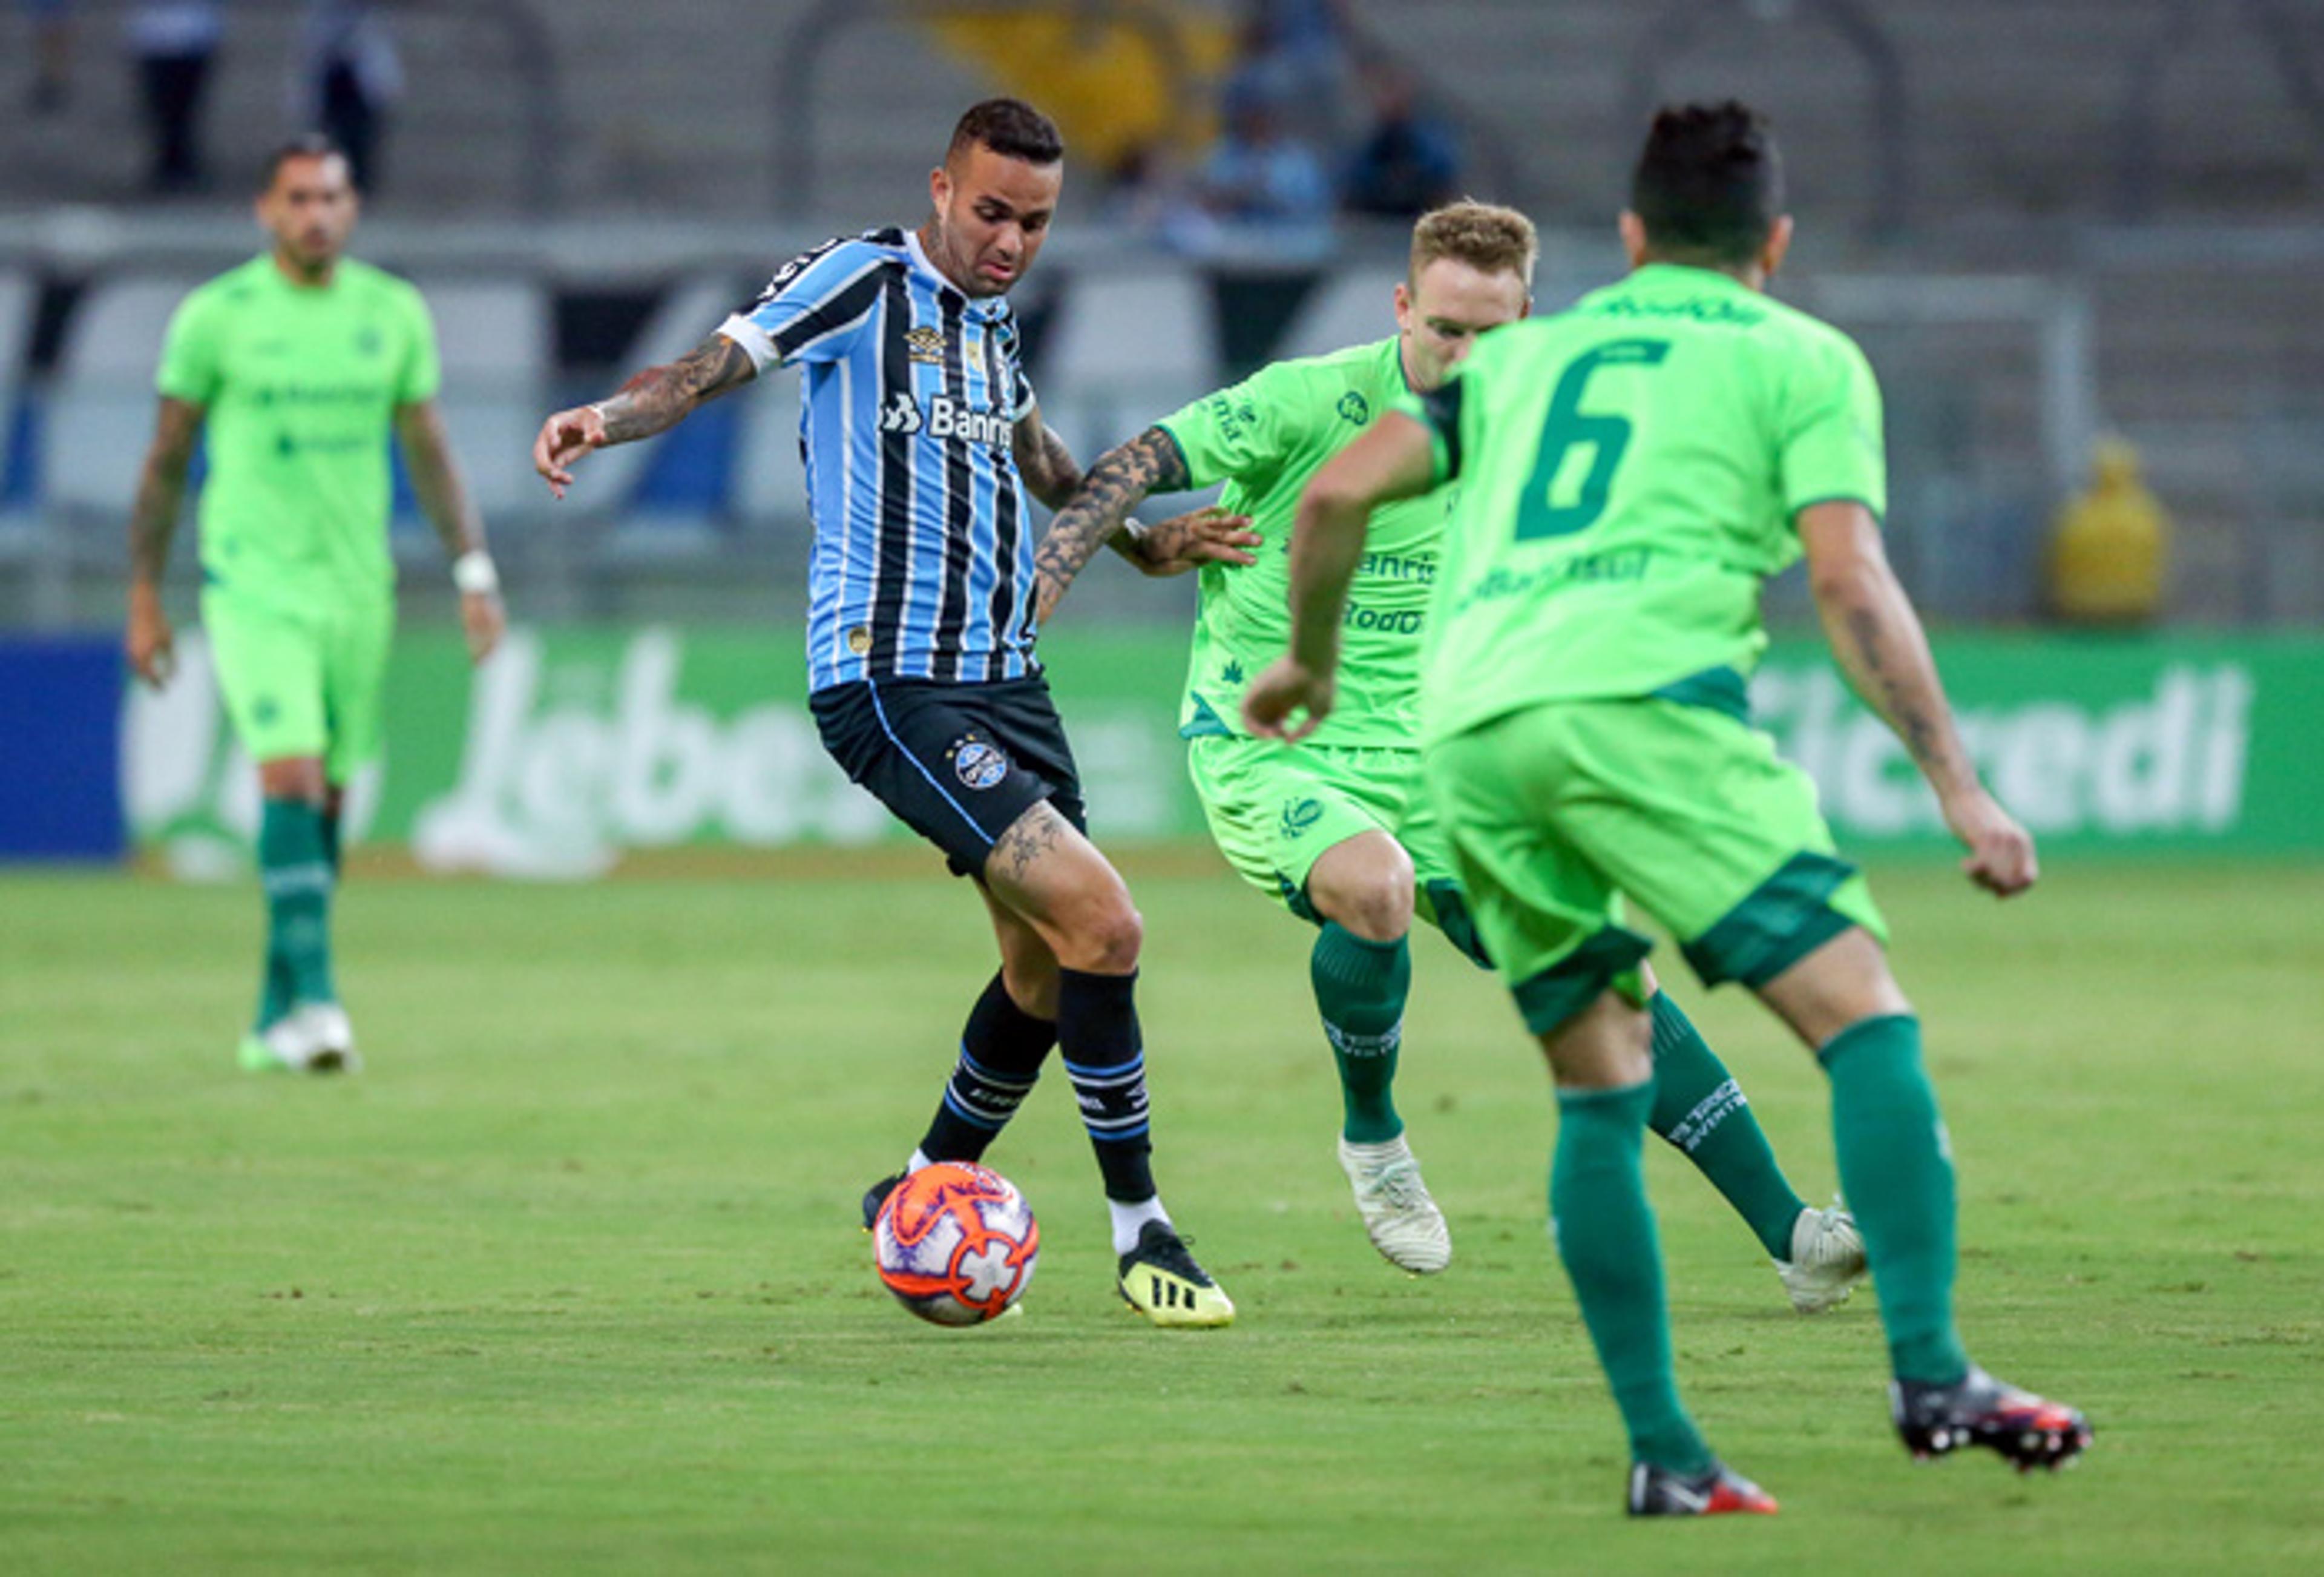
point(1296, 53)
point(52, 38)
point(2107, 555)
point(1410, 161)
point(1260, 175)
point(173, 42)
point(350, 78)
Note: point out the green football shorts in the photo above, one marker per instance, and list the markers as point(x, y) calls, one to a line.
point(1556, 811)
point(1274, 810)
point(304, 683)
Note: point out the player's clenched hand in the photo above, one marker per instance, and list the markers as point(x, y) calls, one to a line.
point(1285, 690)
point(2001, 858)
point(484, 621)
point(152, 650)
point(1210, 535)
point(564, 438)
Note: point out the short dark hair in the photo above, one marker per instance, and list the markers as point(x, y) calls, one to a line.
point(1709, 184)
point(306, 146)
point(1008, 126)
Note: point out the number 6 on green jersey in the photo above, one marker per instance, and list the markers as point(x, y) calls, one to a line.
point(1567, 426)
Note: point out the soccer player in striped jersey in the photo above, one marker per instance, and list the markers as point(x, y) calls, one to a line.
point(1338, 828)
point(922, 436)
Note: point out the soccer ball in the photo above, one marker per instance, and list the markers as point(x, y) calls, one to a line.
point(955, 1243)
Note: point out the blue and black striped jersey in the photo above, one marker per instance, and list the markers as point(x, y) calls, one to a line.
point(923, 560)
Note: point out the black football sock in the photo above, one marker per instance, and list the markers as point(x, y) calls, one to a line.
point(1001, 1054)
point(1097, 1033)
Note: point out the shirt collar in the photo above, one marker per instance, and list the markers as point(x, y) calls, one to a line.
point(988, 308)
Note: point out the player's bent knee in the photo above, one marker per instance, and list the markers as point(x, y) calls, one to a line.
point(1107, 942)
point(1365, 886)
point(293, 777)
point(1842, 983)
point(1378, 911)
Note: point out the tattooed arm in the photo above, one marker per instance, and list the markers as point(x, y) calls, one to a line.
point(653, 401)
point(153, 521)
point(1878, 641)
point(1044, 461)
point(1098, 509)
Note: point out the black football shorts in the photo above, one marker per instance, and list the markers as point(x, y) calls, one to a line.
point(956, 763)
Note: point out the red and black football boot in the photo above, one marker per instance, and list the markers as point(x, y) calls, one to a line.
point(1719, 1491)
point(2029, 1431)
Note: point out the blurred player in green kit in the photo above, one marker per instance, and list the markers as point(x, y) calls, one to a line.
point(301, 363)
point(1338, 829)
point(1631, 470)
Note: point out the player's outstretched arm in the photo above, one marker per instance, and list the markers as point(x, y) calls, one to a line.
point(1878, 640)
point(153, 521)
point(653, 401)
point(1095, 513)
point(445, 499)
point(1395, 459)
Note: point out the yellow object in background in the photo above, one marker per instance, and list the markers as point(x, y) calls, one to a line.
point(1098, 77)
point(2108, 552)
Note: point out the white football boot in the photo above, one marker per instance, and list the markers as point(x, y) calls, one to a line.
point(313, 1038)
point(1404, 1222)
point(1827, 1259)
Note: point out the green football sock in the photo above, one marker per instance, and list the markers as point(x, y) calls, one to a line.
point(1360, 989)
point(1605, 1232)
point(1700, 1109)
point(273, 993)
point(1897, 1166)
point(295, 868)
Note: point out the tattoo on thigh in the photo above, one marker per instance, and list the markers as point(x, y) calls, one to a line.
point(1028, 837)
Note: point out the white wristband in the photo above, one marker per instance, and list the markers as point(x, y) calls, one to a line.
point(1136, 528)
point(474, 574)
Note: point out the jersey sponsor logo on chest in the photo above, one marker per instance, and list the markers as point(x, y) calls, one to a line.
point(942, 417)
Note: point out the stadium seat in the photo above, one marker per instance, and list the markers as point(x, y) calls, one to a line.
point(17, 295)
point(100, 406)
point(686, 316)
point(493, 334)
point(770, 481)
point(1125, 348)
point(1353, 307)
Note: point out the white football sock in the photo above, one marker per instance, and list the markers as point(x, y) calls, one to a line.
point(1128, 1218)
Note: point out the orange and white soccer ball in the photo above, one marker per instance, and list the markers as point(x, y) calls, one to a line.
point(956, 1243)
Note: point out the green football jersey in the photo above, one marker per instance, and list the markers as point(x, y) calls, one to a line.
point(301, 384)
point(1264, 438)
point(1630, 470)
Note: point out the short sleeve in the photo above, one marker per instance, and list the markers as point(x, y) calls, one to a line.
point(190, 353)
point(1830, 444)
point(814, 307)
point(1245, 430)
point(422, 373)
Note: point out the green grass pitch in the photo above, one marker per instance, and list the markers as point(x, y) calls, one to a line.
point(569, 1279)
